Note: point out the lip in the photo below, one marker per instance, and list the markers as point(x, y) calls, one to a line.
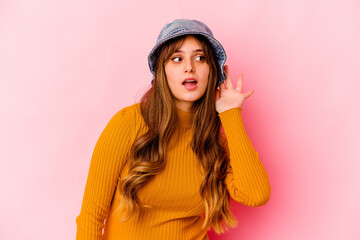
point(190, 79)
point(190, 87)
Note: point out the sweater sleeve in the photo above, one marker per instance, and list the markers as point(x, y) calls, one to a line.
point(109, 153)
point(246, 180)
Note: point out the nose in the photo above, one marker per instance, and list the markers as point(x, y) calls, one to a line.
point(189, 66)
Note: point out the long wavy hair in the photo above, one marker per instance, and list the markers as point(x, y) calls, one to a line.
point(147, 154)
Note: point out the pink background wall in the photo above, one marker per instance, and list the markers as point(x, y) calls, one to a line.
point(66, 67)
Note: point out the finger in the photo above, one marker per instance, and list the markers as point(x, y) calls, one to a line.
point(228, 79)
point(217, 94)
point(248, 93)
point(222, 86)
point(239, 83)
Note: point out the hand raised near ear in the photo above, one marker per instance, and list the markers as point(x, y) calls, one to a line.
point(227, 96)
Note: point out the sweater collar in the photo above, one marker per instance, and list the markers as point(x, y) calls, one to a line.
point(185, 118)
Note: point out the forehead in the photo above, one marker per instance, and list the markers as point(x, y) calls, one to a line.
point(189, 43)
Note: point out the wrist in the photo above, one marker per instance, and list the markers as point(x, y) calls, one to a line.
point(228, 108)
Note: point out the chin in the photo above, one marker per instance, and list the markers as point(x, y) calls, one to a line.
point(191, 99)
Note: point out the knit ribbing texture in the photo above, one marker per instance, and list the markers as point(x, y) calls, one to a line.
point(176, 208)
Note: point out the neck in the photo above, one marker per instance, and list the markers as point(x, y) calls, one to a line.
point(184, 106)
point(185, 118)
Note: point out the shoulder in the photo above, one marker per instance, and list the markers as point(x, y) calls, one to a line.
point(123, 123)
point(129, 120)
point(129, 113)
point(129, 117)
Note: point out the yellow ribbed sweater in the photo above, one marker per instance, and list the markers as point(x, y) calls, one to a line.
point(176, 207)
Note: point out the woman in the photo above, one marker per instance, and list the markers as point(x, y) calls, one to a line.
point(162, 169)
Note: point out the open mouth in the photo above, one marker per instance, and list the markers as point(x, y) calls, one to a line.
point(189, 82)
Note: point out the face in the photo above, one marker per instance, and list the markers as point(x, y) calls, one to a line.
point(187, 73)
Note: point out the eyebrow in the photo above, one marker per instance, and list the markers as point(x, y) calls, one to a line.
point(196, 50)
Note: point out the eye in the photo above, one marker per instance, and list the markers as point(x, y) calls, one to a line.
point(200, 58)
point(176, 59)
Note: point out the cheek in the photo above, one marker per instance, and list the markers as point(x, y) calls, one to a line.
point(205, 74)
point(170, 81)
point(172, 76)
point(169, 73)
point(206, 71)
point(168, 77)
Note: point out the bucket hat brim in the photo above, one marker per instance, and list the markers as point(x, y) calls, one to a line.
point(181, 27)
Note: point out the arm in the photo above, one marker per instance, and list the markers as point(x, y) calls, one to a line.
point(247, 180)
point(110, 151)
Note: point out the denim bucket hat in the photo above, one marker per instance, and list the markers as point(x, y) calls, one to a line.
point(180, 27)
